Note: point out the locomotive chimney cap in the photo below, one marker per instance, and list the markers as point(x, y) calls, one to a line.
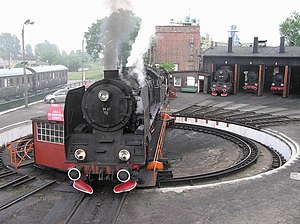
point(111, 74)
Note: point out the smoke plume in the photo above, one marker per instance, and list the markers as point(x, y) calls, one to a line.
point(115, 30)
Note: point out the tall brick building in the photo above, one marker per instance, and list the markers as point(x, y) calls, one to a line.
point(178, 44)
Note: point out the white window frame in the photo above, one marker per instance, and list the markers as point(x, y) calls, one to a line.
point(177, 81)
point(190, 81)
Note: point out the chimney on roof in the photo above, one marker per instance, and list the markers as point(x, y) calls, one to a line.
point(211, 44)
point(255, 45)
point(229, 45)
point(282, 47)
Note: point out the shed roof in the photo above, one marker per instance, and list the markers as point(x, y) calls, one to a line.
point(221, 51)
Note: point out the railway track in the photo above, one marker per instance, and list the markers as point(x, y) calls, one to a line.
point(104, 207)
point(107, 211)
point(249, 156)
point(15, 186)
point(247, 118)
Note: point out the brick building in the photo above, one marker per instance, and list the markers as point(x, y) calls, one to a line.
point(180, 44)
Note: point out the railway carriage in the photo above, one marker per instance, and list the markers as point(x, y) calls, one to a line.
point(12, 81)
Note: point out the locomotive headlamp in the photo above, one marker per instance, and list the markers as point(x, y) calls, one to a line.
point(80, 154)
point(255, 84)
point(282, 84)
point(224, 86)
point(273, 84)
point(103, 95)
point(124, 155)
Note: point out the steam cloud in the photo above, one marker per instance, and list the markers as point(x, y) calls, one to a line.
point(117, 30)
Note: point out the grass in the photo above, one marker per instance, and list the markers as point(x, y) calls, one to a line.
point(92, 74)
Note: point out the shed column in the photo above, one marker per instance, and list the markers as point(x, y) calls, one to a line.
point(285, 81)
point(259, 80)
point(235, 79)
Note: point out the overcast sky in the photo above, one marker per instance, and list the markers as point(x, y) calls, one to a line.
point(63, 22)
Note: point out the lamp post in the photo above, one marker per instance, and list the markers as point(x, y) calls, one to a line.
point(24, 62)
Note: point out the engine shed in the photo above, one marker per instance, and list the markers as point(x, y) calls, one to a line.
point(259, 58)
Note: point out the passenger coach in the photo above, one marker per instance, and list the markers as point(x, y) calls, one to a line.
point(12, 81)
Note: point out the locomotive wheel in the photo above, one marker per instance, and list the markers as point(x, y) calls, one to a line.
point(52, 101)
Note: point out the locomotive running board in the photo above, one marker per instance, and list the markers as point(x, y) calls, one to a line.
point(82, 186)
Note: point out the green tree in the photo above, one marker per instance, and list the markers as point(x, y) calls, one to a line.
point(119, 29)
point(48, 52)
point(290, 28)
point(28, 50)
point(9, 45)
point(169, 66)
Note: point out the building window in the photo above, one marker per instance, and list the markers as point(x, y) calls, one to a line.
point(191, 67)
point(50, 132)
point(190, 81)
point(177, 81)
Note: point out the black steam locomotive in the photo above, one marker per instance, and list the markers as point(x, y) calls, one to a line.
point(251, 80)
point(222, 82)
point(278, 83)
point(112, 128)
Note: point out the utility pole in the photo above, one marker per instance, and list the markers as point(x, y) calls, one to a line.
point(82, 54)
point(24, 63)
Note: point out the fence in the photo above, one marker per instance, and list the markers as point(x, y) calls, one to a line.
point(34, 97)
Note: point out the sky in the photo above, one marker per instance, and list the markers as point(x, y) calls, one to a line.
point(64, 22)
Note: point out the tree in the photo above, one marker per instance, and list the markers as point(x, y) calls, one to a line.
point(28, 50)
point(290, 28)
point(9, 45)
point(48, 52)
point(112, 34)
point(169, 66)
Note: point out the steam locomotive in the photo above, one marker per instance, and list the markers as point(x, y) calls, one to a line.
point(251, 82)
point(222, 82)
point(112, 127)
point(277, 84)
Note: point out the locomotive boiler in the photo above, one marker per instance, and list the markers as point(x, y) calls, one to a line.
point(251, 80)
point(222, 82)
point(111, 129)
point(277, 85)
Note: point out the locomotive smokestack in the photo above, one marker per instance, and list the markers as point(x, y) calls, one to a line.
point(229, 44)
point(255, 45)
point(111, 74)
point(282, 47)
